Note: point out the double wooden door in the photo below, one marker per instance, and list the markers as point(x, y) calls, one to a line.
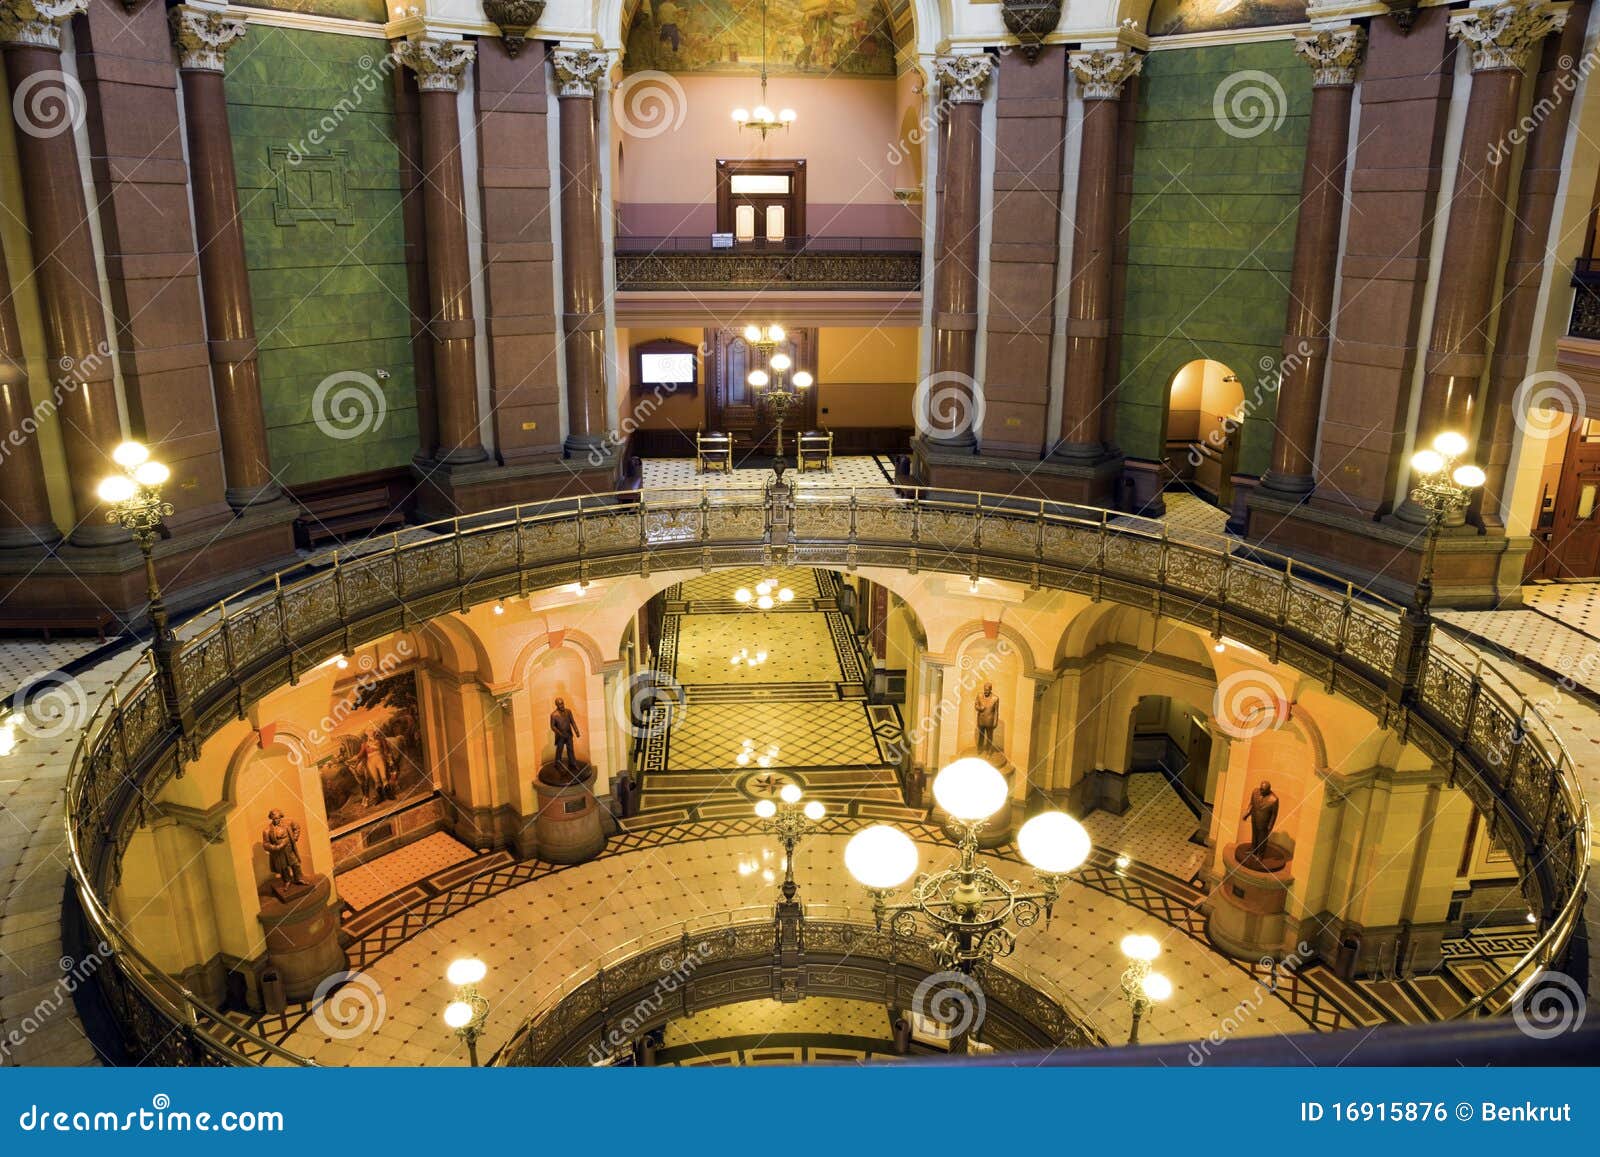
point(1574, 544)
point(733, 405)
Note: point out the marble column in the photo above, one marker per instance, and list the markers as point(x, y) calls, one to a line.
point(439, 65)
point(1542, 166)
point(1334, 56)
point(583, 298)
point(1102, 75)
point(1500, 39)
point(950, 408)
point(47, 104)
point(24, 500)
point(203, 36)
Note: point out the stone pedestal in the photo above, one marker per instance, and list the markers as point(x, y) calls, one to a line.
point(302, 931)
point(1248, 919)
point(569, 826)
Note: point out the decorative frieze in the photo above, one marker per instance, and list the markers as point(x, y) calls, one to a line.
point(437, 63)
point(1102, 73)
point(37, 23)
point(578, 70)
point(203, 36)
point(1502, 36)
point(1334, 54)
point(962, 78)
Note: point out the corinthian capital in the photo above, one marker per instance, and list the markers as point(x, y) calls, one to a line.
point(437, 63)
point(1334, 54)
point(961, 78)
point(203, 36)
point(578, 70)
point(1103, 73)
point(1501, 35)
point(37, 23)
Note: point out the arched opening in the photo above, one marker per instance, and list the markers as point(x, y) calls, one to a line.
point(1205, 419)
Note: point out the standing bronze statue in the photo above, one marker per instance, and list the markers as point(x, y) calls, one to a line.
point(1262, 812)
point(279, 838)
point(988, 708)
point(565, 726)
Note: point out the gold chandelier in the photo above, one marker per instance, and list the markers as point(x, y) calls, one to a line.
point(762, 118)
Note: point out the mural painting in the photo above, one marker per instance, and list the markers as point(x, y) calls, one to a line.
point(810, 37)
point(372, 11)
point(377, 762)
point(1171, 17)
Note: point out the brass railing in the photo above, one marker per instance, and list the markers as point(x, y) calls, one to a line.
point(1463, 712)
point(651, 978)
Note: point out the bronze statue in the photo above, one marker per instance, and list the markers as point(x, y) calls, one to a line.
point(565, 726)
point(988, 706)
point(279, 838)
point(1262, 812)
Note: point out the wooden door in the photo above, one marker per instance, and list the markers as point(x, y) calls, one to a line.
point(1575, 529)
point(762, 185)
point(732, 406)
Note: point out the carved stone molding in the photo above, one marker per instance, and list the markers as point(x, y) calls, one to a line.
point(513, 18)
point(1103, 73)
point(578, 70)
point(1030, 21)
point(37, 23)
point(437, 63)
point(1334, 55)
point(1501, 37)
point(203, 36)
point(962, 78)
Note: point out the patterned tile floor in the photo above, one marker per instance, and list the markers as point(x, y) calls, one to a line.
point(670, 473)
point(798, 646)
point(1155, 829)
point(364, 886)
point(820, 1016)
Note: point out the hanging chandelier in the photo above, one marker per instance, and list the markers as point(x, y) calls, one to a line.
point(762, 118)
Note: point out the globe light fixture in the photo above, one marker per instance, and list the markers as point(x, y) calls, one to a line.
point(1140, 986)
point(776, 398)
point(790, 822)
point(469, 970)
point(970, 789)
point(881, 857)
point(1054, 842)
point(467, 1012)
point(1444, 491)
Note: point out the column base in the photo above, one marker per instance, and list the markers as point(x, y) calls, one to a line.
point(26, 536)
point(1472, 570)
point(463, 456)
point(1288, 487)
point(1090, 483)
point(446, 491)
point(242, 498)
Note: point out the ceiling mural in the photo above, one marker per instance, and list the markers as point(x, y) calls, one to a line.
point(372, 11)
point(1170, 17)
point(804, 37)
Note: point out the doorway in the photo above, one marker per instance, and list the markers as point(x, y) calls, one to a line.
point(1574, 542)
point(762, 202)
point(1205, 419)
point(733, 405)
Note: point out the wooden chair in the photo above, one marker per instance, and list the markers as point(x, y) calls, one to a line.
point(815, 451)
point(712, 451)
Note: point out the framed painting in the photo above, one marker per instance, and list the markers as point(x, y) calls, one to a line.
point(378, 760)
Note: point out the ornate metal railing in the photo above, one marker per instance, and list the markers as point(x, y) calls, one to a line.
point(1459, 709)
point(890, 263)
point(729, 957)
point(1585, 321)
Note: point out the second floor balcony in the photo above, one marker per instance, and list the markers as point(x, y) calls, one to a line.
point(855, 264)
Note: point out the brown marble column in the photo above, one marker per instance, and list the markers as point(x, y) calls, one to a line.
point(1468, 277)
point(1334, 56)
point(203, 36)
point(439, 65)
point(63, 250)
point(1102, 75)
point(583, 305)
point(24, 500)
point(948, 405)
point(1542, 161)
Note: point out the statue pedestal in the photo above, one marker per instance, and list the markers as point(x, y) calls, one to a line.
point(302, 935)
point(1001, 826)
point(1248, 918)
point(568, 826)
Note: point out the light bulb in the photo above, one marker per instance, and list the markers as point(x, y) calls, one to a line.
point(1470, 476)
point(970, 789)
point(742, 759)
point(740, 115)
point(752, 334)
point(881, 856)
point(468, 970)
point(814, 810)
point(786, 116)
point(499, 607)
point(742, 595)
point(785, 595)
point(781, 362)
point(1053, 842)
point(341, 662)
point(1427, 462)
point(762, 114)
point(764, 602)
point(1450, 444)
point(1157, 987)
point(790, 792)
point(1139, 946)
point(775, 333)
point(151, 473)
point(802, 380)
point(130, 454)
point(115, 488)
point(458, 1014)
point(761, 656)
point(758, 379)
point(766, 809)
point(763, 761)
point(764, 587)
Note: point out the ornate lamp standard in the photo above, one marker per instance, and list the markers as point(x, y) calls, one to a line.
point(967, 906)
point(776, 397)
point(467, 1013)
point(1141, 987)
point(791, 822)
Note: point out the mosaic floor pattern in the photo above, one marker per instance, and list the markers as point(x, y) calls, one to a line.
point(864, 470)
point(364, 886)
point(1155, 829)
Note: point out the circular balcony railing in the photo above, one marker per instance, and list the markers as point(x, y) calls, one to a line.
point(1435, 690)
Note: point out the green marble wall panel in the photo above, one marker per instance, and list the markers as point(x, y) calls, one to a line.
point(1219, 146)
point(313, 125)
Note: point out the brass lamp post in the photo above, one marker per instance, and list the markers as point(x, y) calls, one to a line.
point(469, 1010)
point(1443, 489)
point(790, 822)
point(778, 398)
point(1141, 987)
